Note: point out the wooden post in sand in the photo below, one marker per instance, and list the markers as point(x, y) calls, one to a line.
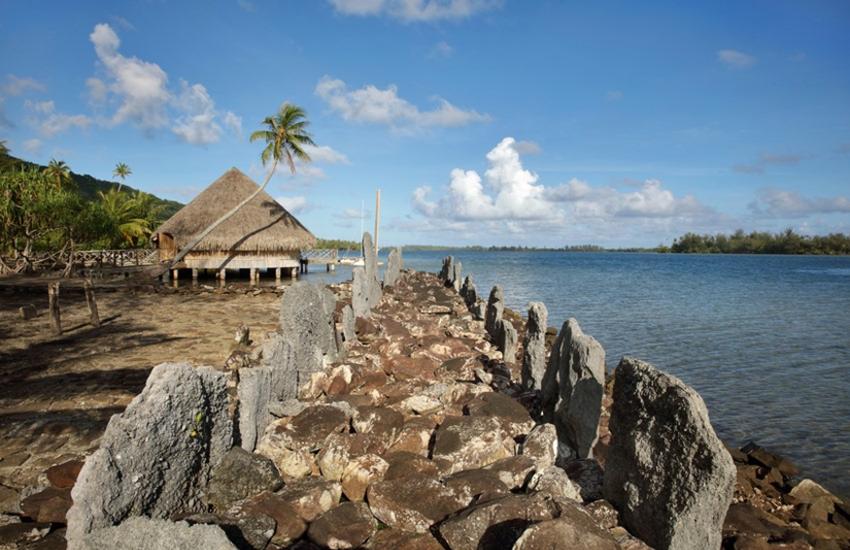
point(277, 275)
point(293, 273)
point(90, 301)
point(53, 306)
point(253, 274)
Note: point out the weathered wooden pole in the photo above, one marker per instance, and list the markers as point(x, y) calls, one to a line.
point(377, 217)
point(222, 275)
point(92, 303)
point(294, 273)
point(194, 275)
point(277, 275)
point(53, 306)
point(253, 275)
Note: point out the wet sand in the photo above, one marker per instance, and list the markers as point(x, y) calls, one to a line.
point(58, 392)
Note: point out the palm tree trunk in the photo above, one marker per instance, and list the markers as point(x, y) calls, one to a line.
point(189, 247)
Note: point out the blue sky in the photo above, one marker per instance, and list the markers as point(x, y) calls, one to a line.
point(482, 121)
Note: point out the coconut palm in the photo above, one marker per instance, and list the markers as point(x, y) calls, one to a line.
point(58, 171)
point(121, 171)
point(285, 135)
point(123, 211)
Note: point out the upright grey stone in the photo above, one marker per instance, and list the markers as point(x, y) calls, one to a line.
point(306, 319)
point(394, 266)
point(447, 269)
point(457, 275)
point(254, 393)
point(279, 356)
point(155, 457)
point(572, 386)
point(667, 472)
point(349, 333)
point(534, 346)
point(371, 268)
point(365, 288)
point(155, 534)
point(479, 310)
point(507, 341)
point(495, 308)
point(468, 292)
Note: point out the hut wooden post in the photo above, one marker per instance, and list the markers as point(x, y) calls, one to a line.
point(194, 276)
point(53, 306)
point(277, 275)
point(222, 275)
point(254, 275)
point(294, 273)
point(92, 303)
point(166, 275)
point(175, 273)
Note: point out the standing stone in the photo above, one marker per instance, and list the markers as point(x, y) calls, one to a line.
point(507, 341)
point(155, 457)
point(349, 332)
point(468, 292)
point(572, 390)
point(447, 270)
point(534, 347)
point(394, 266)
point(254, 393)
point(495, 308)
point(279, 356)
point(667, 472)
point(456, 275)
point(371, 260)
point(306, 319)
point(479, 310)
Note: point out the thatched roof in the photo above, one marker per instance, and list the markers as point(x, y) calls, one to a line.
point(261, 226)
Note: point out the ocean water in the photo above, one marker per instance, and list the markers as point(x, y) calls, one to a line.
point(764, 339)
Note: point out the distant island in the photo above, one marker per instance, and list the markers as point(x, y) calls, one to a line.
point(739, 242)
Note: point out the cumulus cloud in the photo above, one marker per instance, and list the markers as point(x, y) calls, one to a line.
point(18, 85)
point(416, 10)
point(325, 154)
point(736, 59)
point(374, 105)
point(140, 88)
point(782, 203)
point(50, 123)
point(295, 204)
point(509, 197)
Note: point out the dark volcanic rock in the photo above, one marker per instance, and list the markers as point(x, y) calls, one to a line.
point(412, 503)
point(467, 442)
point(348, 525)
point(667, 472)
point(574, 528)
point(63, 476)
point(240, 475)
point(311, 497)
point(495, 310)
point(496, 523)
point(49, 505)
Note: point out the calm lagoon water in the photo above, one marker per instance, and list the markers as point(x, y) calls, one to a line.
point(764, 339)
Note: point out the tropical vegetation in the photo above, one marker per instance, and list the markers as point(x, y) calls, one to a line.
point(761, 242)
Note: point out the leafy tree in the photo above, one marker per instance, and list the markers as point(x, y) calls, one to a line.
point(121, 171)
point(131, 217)
point(285, 135)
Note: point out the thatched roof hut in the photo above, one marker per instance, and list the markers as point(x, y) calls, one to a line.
point(261, 234)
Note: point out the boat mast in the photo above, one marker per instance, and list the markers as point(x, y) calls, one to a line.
point(377, 217)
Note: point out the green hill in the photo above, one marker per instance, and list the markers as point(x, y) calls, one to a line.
point(88, 186)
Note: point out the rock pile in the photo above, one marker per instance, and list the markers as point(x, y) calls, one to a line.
point(420, 436)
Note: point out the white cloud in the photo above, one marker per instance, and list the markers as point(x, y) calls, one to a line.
point(51, 123)
point(373, 105)
point(140, 86)
point(527, 147)
point(197, 124)
point(416, 10)
point(774, 202)
point(233, 122)
point(141, 90)
point(32, 146)
point(325, 154)
point(441, 49)
point(293, 204)
point(510, 198)
point(736, 59)
point(354, 214)
point(17, 85)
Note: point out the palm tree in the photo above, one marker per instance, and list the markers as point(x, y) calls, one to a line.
point(121, 171)
point(59, 171)
point(285, 135)
point(123, 211)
